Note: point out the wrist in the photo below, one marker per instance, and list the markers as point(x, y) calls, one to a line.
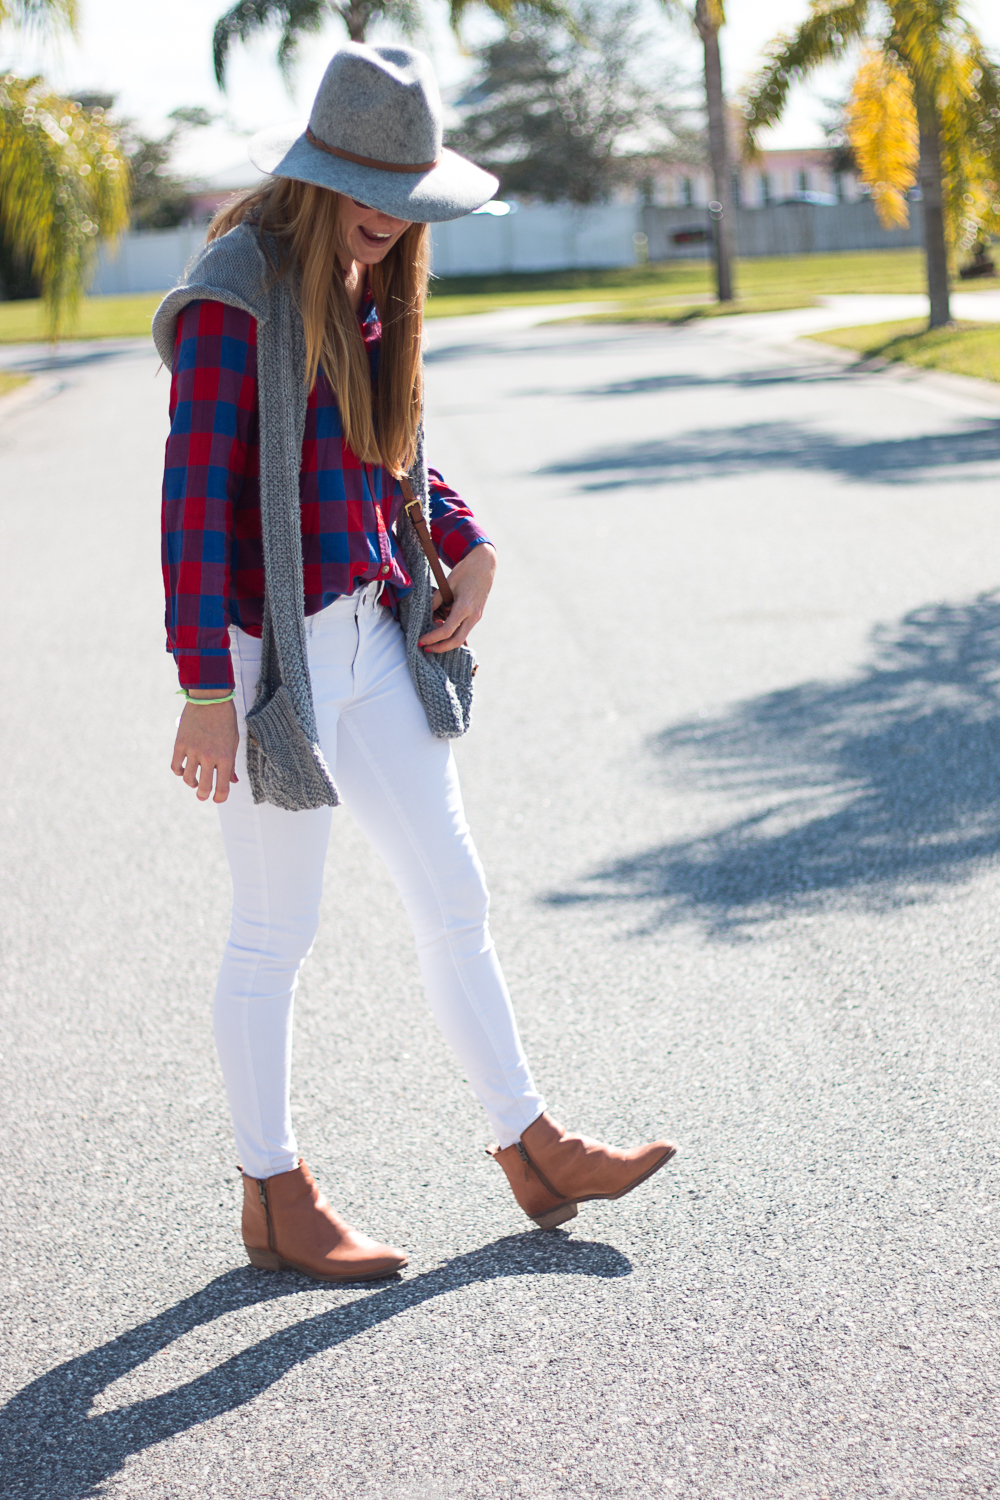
point(207, 695)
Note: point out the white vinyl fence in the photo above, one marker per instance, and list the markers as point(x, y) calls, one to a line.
point(542, 237)
point(553, 237)
point(779, 229)
point(150, 262)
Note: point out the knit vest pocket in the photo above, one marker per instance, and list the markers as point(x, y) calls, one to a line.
point(284, 767)
point(443, 680)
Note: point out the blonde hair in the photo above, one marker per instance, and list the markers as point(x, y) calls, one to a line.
point(304, 220)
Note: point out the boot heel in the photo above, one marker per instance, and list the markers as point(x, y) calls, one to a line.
point(264, 1260)
point(556, 1216)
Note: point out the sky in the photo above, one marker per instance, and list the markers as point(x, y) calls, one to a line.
point(155, 55)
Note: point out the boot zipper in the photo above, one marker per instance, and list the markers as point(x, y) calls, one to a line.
point(262, 1191)
point(529, 1166)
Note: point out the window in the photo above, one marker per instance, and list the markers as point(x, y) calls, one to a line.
point(687, 192)
point(803, 182)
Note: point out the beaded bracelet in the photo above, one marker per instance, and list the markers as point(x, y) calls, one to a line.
point(183, 693)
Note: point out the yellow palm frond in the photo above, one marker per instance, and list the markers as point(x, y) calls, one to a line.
point(63, 186)
point(882, 127)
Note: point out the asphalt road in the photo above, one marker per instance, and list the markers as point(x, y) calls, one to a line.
point(735, 775)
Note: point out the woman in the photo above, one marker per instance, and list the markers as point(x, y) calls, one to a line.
point(295, 432)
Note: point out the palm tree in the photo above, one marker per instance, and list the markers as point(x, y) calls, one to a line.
point(709, 16)
point(299, 18)
point(64, 181)
point(925, 107)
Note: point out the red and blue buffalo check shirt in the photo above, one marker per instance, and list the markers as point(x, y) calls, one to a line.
point(213, 564)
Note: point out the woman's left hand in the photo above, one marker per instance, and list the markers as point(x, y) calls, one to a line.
point(471, 581)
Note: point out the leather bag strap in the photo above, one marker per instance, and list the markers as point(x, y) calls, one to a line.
point(415, 511)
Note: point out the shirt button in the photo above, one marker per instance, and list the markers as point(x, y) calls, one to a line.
point(383, 571)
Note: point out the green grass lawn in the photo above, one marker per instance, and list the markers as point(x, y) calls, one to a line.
point(961, 349)
point(665, 290)
point(651, 310)
point(10, 383)
point(99, 318)
point(765, 284)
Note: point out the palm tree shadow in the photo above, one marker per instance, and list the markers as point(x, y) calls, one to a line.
point(873, 792)
point(964, 455)
point(52, 1447)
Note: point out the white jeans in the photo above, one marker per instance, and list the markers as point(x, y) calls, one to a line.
point(401, 785)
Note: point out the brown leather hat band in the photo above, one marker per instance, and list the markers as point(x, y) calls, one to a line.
point(369, 161)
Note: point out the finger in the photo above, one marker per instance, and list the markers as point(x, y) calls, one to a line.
point(225, 774)
point(205, 779)
point(450, 642)
point(458, 629)
point(444, 629)
point(177, 761)
point(191, 768)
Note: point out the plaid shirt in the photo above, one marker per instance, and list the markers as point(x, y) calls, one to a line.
point(213, 565)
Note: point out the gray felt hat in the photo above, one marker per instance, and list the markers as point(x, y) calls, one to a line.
point(375, 134)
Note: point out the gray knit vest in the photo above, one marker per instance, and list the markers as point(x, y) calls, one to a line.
point(284, 759)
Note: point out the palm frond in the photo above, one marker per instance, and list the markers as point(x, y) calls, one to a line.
point(301, 19)
point(249, 17)
point(39, 15)
point(967, 97)
point(63, 186)
point(882, 127)
point(555, 10)
point(925, 33)
point(830, 27)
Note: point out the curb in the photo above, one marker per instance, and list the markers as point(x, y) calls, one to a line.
point(37, 390)
point(900, 372)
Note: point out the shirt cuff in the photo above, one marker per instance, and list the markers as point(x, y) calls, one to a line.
point(459, 541)
point(204, 669)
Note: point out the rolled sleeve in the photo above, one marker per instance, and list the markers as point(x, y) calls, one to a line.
point(213, 405)
point(454, 529)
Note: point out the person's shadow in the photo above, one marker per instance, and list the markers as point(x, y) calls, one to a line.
point(875, 791)
point(52, 1449)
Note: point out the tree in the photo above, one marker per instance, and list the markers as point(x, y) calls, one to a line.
point(299, 18)
point(925, 108)
point(560, 112)
point(63, 178)
point(160, 199)
point(709, 17)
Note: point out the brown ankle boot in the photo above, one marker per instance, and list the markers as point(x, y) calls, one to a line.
point(288, 1225)
point(551, 1172)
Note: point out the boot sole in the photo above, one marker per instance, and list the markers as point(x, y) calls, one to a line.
point(564, 1211)
point(266, 1260)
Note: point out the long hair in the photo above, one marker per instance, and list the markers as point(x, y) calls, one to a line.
point(380, 427)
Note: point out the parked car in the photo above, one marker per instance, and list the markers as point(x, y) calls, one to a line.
point(827, 200)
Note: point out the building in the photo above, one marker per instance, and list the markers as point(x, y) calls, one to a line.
point(209, 193)
point(779, 176)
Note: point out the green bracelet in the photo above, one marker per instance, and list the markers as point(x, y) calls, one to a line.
point(183, 693)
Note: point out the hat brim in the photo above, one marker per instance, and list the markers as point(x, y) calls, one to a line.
point(449, 190)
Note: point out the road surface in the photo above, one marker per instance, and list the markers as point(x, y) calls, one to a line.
point(735, 776)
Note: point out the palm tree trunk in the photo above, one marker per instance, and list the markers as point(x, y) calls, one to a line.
point(931, 190)
point(356, 14)
point(718, 149)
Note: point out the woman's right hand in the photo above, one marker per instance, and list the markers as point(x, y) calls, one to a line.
point(205, 748)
